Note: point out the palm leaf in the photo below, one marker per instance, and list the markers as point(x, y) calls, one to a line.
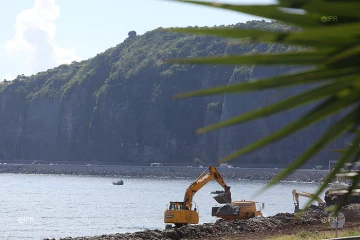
point(329, 107)
point(347, 155)
point(351, 53)
point(299, 58)
point(286, 80)
point(335, 53)
point(349, 192)
point(336, 130)
point(331, 37)
point(286, 104)
point(349, 10)
point(268, 11)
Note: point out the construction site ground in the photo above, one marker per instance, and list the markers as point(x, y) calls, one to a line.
point(255, 228)
point(321, 231)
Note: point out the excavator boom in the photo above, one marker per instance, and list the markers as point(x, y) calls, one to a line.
point(203, 179)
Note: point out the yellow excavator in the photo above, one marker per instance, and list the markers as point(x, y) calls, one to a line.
point(183, 213)
point(304, 194)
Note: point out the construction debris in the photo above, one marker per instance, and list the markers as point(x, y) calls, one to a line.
point(331, 198)
point(228, 209)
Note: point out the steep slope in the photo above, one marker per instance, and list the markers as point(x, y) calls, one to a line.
point(117, 106)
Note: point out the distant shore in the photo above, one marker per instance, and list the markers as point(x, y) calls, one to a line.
point(263, 174)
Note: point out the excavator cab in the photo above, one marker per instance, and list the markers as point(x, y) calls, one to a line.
point(180, 215)
point(176, 206)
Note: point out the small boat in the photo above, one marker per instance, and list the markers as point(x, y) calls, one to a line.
point(119, 182)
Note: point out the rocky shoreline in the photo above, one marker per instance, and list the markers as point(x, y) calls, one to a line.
point(254, 174)
point(259, 227)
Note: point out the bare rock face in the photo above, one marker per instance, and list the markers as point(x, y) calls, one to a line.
point(281, 152)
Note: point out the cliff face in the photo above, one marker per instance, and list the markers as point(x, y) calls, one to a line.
point(117, 107)
point(284, 151)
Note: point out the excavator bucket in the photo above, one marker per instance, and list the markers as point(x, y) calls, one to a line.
point(223, 198)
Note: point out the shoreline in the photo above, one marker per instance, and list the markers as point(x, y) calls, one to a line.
point(118, 171)
point(149, 177)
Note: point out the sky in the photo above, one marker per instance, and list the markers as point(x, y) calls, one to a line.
point(40, 34)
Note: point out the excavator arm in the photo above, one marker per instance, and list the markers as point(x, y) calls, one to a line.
point(203, 179)
point(304, 194)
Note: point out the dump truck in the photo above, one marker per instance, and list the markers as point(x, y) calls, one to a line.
point(238, 210)
point(186, 212)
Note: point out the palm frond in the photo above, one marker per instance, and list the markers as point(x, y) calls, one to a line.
point(330, 36)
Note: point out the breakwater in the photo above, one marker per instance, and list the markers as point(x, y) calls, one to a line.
point(303, 175)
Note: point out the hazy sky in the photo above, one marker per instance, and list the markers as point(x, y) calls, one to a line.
point(40, 34)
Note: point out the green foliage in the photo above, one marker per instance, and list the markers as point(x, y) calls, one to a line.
point(329, 35)
point(305, 234)
point(136, 54)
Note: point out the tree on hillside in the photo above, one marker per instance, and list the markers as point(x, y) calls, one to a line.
point(132, 34)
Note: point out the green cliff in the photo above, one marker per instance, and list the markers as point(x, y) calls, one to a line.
point(117, 107)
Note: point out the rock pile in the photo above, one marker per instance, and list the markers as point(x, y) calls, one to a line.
point(351, 212)
point(221, 228)
point(228, 209)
